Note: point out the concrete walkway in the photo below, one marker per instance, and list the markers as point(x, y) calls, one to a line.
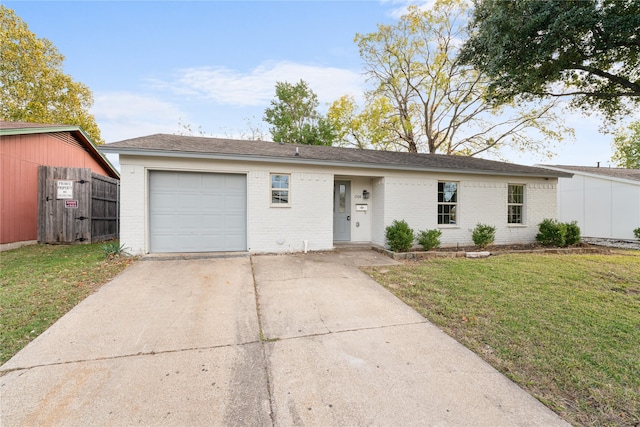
point(264, 340)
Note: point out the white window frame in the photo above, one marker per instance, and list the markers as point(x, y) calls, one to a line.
point(455, 205)
point(511, 204)
point(273, 189)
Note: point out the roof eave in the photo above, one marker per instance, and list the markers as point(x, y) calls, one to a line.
point(594, 175)
point(86, 141)
point(44, 129)
point(314, 162)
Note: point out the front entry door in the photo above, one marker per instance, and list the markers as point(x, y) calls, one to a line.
point(342, 211)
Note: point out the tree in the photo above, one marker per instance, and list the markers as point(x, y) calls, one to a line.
point(295, 118)
point(584, 49)
point(440, 104)
point(626, 147)
point(370, 128)
point(33, 87)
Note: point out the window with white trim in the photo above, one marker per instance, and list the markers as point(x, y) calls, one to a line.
point(447, 202)
point(515, 204)
point(280, 189)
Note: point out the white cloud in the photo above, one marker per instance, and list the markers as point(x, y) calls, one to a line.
point(257, 87)
point(401, 7)
point(123, 115)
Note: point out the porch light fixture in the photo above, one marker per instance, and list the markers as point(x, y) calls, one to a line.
point(365, 194)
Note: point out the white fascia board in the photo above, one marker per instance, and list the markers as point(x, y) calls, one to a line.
point(595, 175)
point(299, 160)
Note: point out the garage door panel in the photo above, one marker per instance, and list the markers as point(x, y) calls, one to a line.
point(197, 212)
point(234, 184)
point(234, 223)
point(236, 203)
point(234, 241)
point(164, 221)
point(166, 181)
point(189, 181)
point(213, 222)
point(213, 202)
point(213, 180)
point(162, 201)
point(214, 240)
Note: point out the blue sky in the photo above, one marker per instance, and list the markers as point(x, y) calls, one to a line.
point(154, 65)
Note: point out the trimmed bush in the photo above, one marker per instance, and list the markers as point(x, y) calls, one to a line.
point(399, 236)
point(483, 235)
point(551, 233)
point(573, 233)
point(636, 233)
point(429, 239)
point(559, 234)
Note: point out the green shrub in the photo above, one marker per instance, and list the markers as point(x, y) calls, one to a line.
point(113, 249)
point(559, 234)
point(429, 239)
point(483, 235)
point(573, 233)
point(399, 236)
point(551, 233)
point(636, 233)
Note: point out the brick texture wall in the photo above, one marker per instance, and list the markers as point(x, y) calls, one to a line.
point(394, 195)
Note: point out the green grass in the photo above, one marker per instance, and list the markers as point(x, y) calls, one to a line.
point(40, 283)
point(564, 327)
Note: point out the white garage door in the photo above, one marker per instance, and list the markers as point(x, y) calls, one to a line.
point(197, 212)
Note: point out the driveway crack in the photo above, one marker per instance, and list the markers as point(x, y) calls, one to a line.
point(267, 373)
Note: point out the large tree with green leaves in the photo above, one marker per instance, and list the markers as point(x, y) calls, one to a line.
point(33, 86)
point(371, 127)
point(626, 147)
point(586, 49)
point(294, 116)
point(439, 104)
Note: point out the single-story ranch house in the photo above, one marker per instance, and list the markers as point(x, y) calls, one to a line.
point(195, 194)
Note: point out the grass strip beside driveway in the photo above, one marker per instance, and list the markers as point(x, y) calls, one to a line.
point(40, 283)
point(564, 327)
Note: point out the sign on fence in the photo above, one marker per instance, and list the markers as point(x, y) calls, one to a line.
point(65, 189)
point(76, 205)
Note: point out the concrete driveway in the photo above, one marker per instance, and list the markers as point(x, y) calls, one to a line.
point(304, 339)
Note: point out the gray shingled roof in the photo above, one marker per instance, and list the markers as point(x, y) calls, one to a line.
point(191, 146)
point(631, 174)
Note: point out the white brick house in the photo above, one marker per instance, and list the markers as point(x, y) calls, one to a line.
point(193, 194)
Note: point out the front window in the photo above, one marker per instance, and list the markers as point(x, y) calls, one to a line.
point(515, 204)
point(447, 202)
point(280, 189)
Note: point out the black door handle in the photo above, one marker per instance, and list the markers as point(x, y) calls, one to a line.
point(348, 217)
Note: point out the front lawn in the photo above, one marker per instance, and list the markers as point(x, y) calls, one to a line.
point(564, 327)
point(40, 283)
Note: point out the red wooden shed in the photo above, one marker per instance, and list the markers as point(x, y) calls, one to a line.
point(24, 147)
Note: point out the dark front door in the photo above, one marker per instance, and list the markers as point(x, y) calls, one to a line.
point(342, 211)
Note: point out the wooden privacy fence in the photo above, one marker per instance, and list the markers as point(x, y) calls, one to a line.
point(77, 206)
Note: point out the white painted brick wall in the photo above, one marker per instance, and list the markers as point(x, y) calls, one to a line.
point(481, 200)
point(394, 195)
point(132, 208)
point(377, 212)
point(283, 229)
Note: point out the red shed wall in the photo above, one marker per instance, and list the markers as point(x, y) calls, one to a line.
point(20, 156)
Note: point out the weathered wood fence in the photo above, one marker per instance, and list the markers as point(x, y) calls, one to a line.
point(77, 206)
